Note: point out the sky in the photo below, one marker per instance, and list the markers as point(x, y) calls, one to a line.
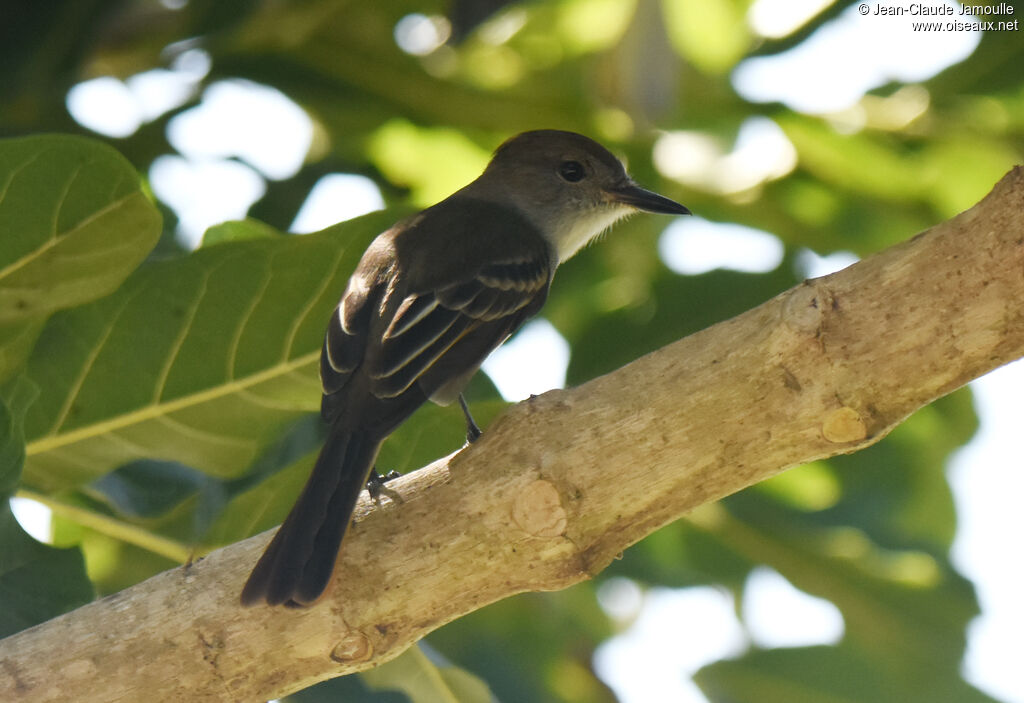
point(221, 170)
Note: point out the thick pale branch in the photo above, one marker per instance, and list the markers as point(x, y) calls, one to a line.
point(564, 482)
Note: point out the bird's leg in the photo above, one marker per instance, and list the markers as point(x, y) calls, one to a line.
point(375, 486)
point(472, 431)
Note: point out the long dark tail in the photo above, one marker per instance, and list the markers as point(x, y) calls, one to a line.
point(298, 563)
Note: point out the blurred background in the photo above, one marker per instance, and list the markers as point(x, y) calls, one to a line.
point(803, 134)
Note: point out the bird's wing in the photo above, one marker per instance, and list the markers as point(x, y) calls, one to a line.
point(347, 331)
point(421, 316)
point(465, 319)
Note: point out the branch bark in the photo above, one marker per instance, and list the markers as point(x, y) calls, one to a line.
point(562, 483)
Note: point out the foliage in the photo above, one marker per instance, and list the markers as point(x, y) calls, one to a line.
point(164, 407)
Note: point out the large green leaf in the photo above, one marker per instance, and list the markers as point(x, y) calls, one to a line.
point(424, 680)
point(199, 360)
point(519, 645)
point(827, 675)
point(37, 581)
point(906, 605)
point(74, 223)
point(262, 498)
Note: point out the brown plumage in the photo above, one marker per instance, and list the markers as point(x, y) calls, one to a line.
point(429, 300)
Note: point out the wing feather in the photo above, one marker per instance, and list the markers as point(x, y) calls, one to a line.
point(428, 324)
point(401, 378)
point(405, 323)
point(397, 352)
point(413, 309)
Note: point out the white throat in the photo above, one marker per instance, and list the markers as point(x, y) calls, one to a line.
point(573, 232)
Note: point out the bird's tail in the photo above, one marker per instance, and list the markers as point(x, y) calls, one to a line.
point(298, 563)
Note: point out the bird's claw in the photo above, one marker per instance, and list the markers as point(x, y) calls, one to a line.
point(375, 486)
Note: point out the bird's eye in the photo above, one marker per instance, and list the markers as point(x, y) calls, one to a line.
point(571, 171)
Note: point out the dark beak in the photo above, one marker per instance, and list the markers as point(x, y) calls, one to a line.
point(633, 195)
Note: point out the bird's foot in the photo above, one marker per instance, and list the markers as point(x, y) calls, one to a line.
point(472, 430)
point(375, 486)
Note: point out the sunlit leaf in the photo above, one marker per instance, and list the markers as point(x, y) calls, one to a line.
point(518, 646)
point(826, 675)
point(75, 223)
point(199, 360)
point(713, 34)
point(906, 603)
point(425, 681)
point(432, 163)
point(237, 231)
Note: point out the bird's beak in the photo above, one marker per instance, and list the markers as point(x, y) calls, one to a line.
point(633, 195)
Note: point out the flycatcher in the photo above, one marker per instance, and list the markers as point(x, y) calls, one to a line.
point(429, 300)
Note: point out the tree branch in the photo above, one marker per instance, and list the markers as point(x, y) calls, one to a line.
point(562, 483)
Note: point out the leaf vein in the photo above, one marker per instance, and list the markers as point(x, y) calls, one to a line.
point(204, 435)
point(53, 440)
point(63, 199)
point(90, 361)
point(311, 303)
point(57, 239)
point(232, 357)
point(179, 341)
point(14, 174)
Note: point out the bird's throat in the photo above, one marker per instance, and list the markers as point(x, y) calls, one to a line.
point(574, 231)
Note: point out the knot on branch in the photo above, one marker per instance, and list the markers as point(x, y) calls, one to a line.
point(844, 425)
point(354, 647)
point(538, 510)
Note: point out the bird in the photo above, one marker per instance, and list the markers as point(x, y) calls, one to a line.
point(430, 298)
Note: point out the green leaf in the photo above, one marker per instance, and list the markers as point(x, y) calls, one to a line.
point(713, 35)
point(75, 223)
point(200, 360)
point(21, 393)
point(263, 497)
point(681, 555)
point(964, 168)
point(827, 675)
point(261, 507)
point(874, 165)
point(906, 605)
point(37, 582)
point(148, 488)
point(423, 681)
point(238, 230)
point(673, 307)
point(520, 646)
point(237, 508)
point(432, 163)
